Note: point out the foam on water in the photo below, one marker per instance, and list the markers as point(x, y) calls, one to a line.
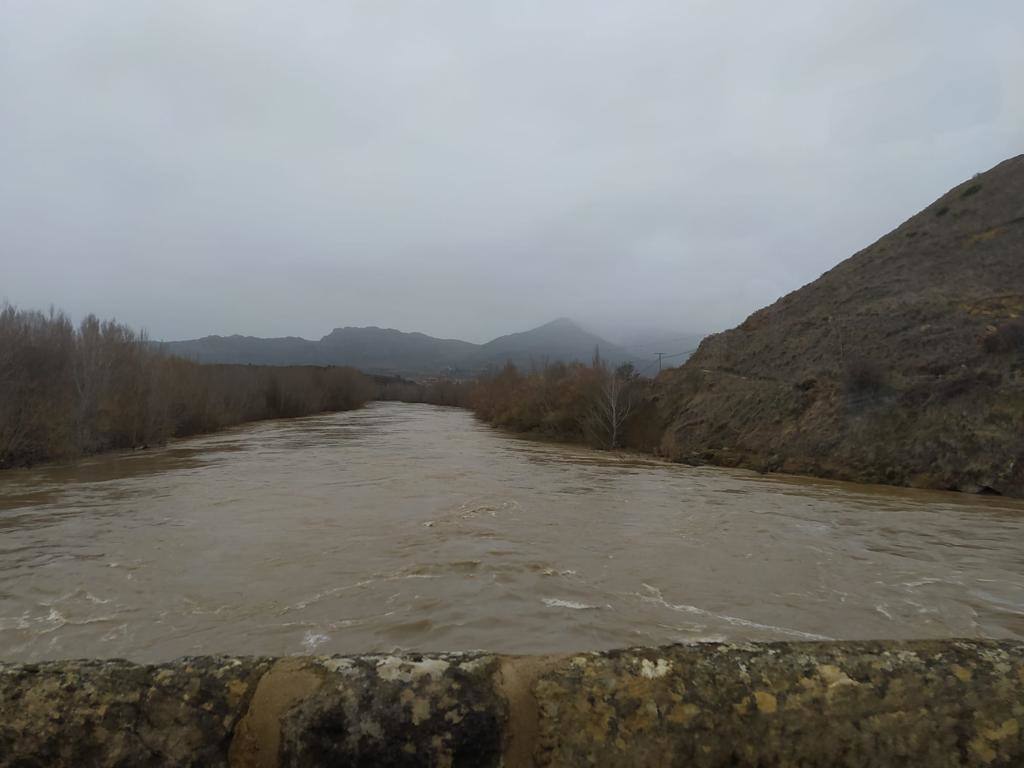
point(552, 602)
point(656, 597)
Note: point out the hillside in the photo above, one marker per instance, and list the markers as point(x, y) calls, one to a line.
point(385, 350)
point(904, 364)
point(252, 350)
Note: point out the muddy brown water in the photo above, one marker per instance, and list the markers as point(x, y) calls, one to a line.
point(415, 527)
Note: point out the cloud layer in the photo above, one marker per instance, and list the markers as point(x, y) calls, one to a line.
point(469, 168)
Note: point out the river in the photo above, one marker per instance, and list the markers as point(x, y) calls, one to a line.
point(414, 527)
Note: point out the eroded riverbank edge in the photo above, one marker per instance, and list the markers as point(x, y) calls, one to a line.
point(936, 703)
point(753, 465)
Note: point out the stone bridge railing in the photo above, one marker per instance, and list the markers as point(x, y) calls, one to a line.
point(928, 703)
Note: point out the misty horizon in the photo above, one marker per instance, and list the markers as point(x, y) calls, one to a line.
point(472, 169)
point(625, 335)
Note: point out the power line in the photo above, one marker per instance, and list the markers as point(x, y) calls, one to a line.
point(662, 357)
point(658, 343)
point(677, 354)
point(646, 368)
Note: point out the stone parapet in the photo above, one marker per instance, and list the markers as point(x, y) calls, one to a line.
point(927, 703)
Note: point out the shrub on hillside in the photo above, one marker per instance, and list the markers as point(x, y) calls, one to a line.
point(1006, 338)
point(863, 379)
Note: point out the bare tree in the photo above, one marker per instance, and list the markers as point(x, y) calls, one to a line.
point(67, 391)
point(90, 374)
point(613, 402)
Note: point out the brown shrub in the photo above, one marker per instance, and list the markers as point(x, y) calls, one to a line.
point(863, 378)
point(65, 392)
point(440, 392)
point(561, 401)
point(1006, 338)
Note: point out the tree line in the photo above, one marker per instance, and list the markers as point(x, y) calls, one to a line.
point(452, 392)
point(67, 391)
point(595, 404)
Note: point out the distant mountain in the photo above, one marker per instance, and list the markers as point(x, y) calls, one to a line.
point(385, 350)
point(559, 340)
point(290, 350)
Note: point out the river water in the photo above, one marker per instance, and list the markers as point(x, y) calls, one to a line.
point(414, 527)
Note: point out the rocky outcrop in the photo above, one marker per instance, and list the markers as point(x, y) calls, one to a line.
point(904, 364)
point(931, 703)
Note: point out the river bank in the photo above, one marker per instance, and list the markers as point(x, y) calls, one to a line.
point(68, 391)
point(703, 415)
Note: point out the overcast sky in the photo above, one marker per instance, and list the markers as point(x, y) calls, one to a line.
point(468, 168)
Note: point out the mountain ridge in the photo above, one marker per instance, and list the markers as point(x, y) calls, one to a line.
point(387, 350)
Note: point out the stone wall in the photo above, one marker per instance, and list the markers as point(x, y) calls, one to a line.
point(928, 703)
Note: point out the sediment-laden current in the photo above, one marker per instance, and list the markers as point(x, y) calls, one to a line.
point(414, 527)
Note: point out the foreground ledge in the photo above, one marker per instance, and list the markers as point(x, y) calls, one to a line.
point(928, 703)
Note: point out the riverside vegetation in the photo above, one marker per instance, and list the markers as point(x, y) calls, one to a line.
point(593, 404)
point(67, 391)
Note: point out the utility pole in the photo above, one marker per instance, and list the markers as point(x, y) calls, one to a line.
point(660, 355)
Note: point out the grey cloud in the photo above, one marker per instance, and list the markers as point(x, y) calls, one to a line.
point(472, 168)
